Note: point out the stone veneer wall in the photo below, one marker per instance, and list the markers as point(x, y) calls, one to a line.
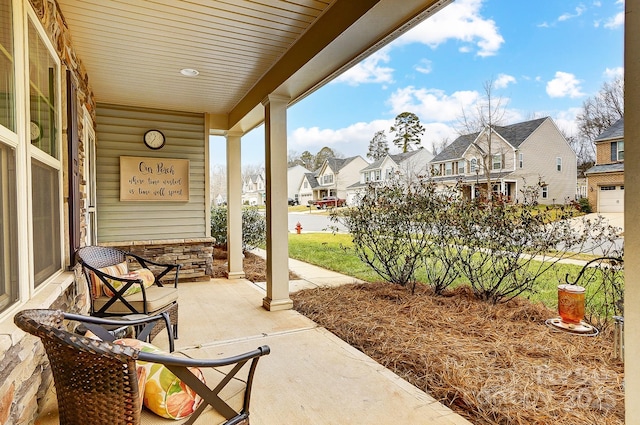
point(195, 255)
point(24, 373)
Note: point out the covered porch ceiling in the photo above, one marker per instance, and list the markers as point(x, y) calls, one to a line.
point(244, 50)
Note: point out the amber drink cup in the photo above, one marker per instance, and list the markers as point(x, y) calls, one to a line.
point(571, 303)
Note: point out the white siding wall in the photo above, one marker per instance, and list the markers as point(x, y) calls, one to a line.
point(539, 159)
point(119, 133)
point(349, 175)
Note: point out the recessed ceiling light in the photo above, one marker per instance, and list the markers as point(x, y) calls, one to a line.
point(189, 72)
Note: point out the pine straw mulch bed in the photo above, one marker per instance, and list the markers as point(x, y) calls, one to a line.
point(254, 266)
point(493, 364)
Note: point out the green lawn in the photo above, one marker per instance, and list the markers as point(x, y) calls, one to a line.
point(331, 251)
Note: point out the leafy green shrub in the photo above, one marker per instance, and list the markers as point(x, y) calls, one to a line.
point(254, 227)
point(584, 205)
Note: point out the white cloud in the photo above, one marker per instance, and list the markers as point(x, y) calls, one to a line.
point(616, 22)
point(424, 66)
point(461, 21)
point(578, 11)
point(503, 81)
point(369, 70)
point(349, 141)
point(564, 85)
point(431, 104)
point(611, 73)
point(566, 121)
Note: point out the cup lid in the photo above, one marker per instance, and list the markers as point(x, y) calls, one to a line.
point(571, 288)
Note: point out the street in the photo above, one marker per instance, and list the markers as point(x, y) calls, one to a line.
point(314, 221)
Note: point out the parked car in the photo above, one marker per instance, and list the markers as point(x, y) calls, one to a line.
point(292, 201)
point(330, 201)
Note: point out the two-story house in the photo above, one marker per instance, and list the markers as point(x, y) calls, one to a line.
point(605, 179)
point(514, 157)
point(408, 166)
point(295, 175)
point(253, 190)
point(331, 179)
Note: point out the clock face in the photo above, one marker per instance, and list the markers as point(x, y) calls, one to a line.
point(35, 131)
point(154, 139)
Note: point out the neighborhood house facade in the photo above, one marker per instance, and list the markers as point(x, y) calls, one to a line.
point(409, 166)
point(605, 180)
point(531, 154)
point(331, 179)
point(253, 190)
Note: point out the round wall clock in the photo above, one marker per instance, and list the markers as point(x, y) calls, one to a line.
point(154, 139)
point(35, 131)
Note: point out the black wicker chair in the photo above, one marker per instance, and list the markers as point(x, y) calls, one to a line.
point(158, 298)
point(96, 382)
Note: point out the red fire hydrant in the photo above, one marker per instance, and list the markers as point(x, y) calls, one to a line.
point(298, 228)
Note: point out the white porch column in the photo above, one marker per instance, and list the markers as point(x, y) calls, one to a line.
point(632, 204)
point(235, 268)
point(277, 222)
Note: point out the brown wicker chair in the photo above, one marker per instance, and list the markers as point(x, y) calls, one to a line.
point(96, 382)
point(152, 300)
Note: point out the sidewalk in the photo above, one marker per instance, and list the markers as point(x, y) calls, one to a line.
point(310, 276)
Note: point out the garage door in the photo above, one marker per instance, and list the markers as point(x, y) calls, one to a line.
point(611, 199)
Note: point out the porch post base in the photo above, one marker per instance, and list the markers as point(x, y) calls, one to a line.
point(235, 275)
point(276, 305)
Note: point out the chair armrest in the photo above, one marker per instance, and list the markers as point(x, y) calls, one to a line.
point(98, 325)
point(210, 392)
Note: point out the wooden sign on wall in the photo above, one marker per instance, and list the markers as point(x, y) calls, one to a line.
point(154, 179)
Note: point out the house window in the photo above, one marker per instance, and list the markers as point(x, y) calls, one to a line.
point(617, 151)
point(327, 179)
point(378, 175)
point(367, 177)
point(558, 164)
point(474, 166)
point(545, 192)
point(7, 70)
point(520, 160)
point(496, 162)
point(305, 185)
point(461, 165)
point(8, 226)
point(448, 168)
point(45, 167)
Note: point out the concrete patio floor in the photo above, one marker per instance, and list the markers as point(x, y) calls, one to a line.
point(311, 376)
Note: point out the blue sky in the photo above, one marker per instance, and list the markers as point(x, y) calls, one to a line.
point(545, 58)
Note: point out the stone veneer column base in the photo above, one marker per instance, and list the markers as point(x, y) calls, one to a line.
point(276, 305)
point(195, 255)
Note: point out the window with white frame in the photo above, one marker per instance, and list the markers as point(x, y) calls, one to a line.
point(520, 160)
point(327, 179)
point(558, 164)
point(461, 166)
point(9, 290)
point(44, 70)
point(367, 177)
point(305, 184)
point(473, 167)
point(31, 180)
point(448, 168)
point(496, 163)
point(545, 192)
point(617, 151)
point(378, 175)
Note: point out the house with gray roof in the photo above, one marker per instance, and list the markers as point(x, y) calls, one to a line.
point(407, 166)
point(530, 154)
point(605, 180)
point(331, 179)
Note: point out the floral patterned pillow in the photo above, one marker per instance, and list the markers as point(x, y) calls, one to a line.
point(164, 393)
point(145, 274)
